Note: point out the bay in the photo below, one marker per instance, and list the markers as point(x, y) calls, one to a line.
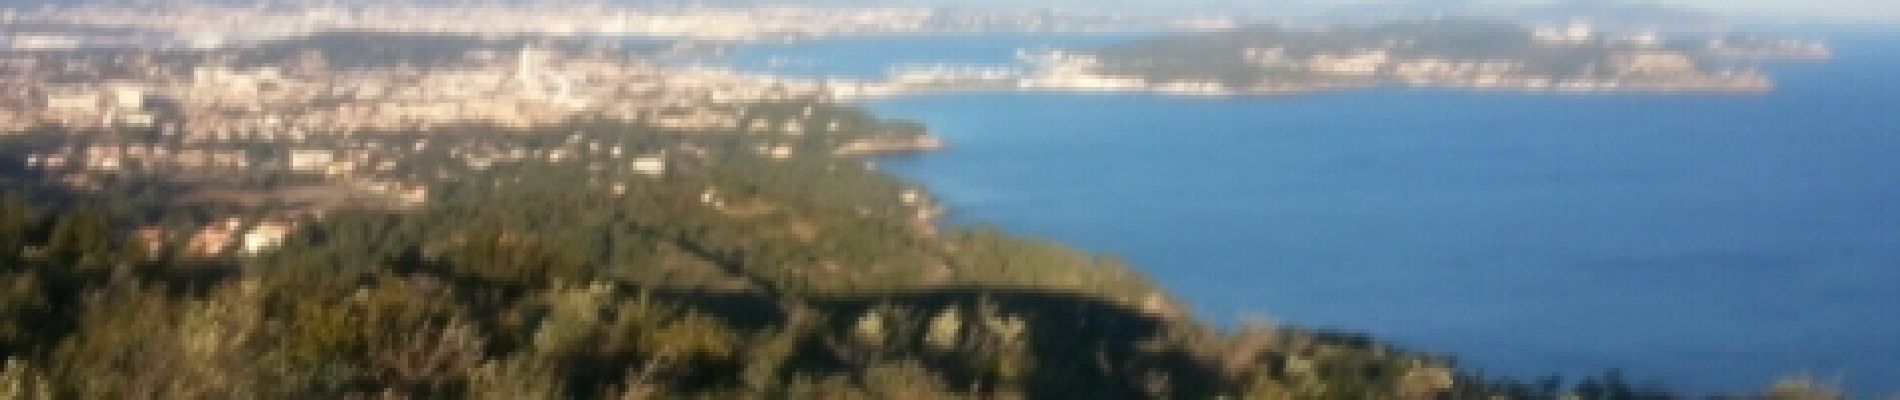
point(1704, 242)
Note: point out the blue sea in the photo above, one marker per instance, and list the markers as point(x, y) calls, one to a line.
point(1702, 242)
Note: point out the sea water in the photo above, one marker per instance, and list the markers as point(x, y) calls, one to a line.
point(1703, 242)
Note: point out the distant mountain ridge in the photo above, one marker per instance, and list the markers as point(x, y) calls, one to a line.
point(1615, 14)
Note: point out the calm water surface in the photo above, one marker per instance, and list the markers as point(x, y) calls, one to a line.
point(1705, 242)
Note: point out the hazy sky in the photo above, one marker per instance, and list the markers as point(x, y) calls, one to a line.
point(1884, 10)
point(1888, 10)
point(1833, 9)
point(1856, 9)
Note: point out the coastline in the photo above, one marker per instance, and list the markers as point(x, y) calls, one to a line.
point(964, 183)
point(1716, 84)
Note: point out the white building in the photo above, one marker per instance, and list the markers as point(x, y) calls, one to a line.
point(311, 160)
point(653, 165)
point(265, 236)
point(73, 101)
point(128, 98)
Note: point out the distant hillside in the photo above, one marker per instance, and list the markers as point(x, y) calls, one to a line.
point(1618, 14)
point(1451, 52)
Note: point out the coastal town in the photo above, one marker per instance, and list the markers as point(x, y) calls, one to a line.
point(217, 124)
point(211, 24)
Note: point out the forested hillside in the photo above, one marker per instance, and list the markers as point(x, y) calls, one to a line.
point(553, 291)
point(591, 295)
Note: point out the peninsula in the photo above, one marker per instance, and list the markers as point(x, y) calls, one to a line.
point(1434, 53)
point(1440, 53)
